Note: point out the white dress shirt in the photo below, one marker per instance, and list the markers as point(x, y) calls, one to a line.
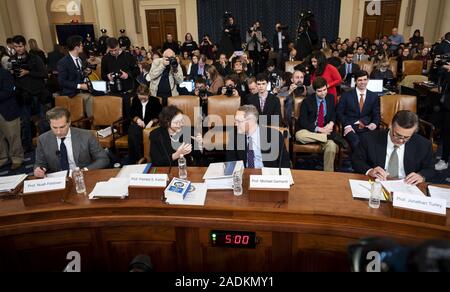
point(256, 143)
point(68, 143)
point(78, 64)
point(400, 154)
point(144, 108)
point(280, 40)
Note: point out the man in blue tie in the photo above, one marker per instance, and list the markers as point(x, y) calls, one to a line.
point(65, 148)
point(348, 68)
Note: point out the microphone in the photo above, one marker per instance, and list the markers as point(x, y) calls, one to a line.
point(282, 152)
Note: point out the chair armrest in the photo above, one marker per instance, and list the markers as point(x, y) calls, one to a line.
point(428, 129)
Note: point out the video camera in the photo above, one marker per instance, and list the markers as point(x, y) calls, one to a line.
point(305, 18)
point(117, 81)
point(17, 65)
point(443, 60)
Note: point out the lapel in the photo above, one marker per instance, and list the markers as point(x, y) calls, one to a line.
point(258, 103)
point(356, 100)
point(75, 145)
point(408, 164)
point(54, 150)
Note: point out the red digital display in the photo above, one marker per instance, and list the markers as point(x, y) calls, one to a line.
point(237, 239)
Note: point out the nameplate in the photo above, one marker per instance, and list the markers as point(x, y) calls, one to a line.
point(149, 180)
point(44, 185)
point(421, 204)
point(276, 182)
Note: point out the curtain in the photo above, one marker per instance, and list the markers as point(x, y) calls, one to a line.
point(211, 12)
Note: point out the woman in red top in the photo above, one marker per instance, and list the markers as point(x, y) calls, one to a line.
point(320, 67)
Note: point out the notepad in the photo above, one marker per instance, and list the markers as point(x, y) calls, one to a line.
point(115, 188)
point(10, 183)
point(400, 186)
point(440, 193)
point(134, 169)
point(196, 196)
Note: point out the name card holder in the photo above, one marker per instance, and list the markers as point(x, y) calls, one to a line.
point(418, 216)
point(146, 192)
point(49, 197)
point(259, 193)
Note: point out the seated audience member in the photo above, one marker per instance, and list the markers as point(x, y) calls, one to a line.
point(10, 140)
point(256, 145)
point(360, 55)
point(172, 140)
point(214, 79)
point(252, 89)
point(201, 90)
point(383, 72)
point(231, 87)
point(359, 110)
point(426, 58)
point(317, 120)
point(335, 59)
point(189, 45)
point(397, 153)
point(197, 68)
point(223, 66)
point(145, 111)
point(65, 148)
point(348, 68)
point(268, 105)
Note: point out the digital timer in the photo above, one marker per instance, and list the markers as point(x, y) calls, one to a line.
point(237, 239)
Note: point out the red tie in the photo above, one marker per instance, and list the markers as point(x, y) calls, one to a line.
point(321, 117)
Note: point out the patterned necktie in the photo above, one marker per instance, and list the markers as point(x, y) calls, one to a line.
point(349, 70)
point(63, 158)
point(250, 154)
point(361, 103)
point(77, 62)
point(263, 104)
point(321, 116)
point(393, 164)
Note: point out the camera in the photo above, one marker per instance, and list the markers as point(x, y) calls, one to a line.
point(300, 89)
point(117, 81)
point(443, 60)
point(202, 92)
point(274, 79)
point(229, 91)
point(17, 65)
point(173, 63)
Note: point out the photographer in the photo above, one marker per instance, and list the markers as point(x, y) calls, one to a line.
point(206, 47)
point(281, 45)
point(29, 74)
point(165, 75)
point(231, 37)
point(231, 88)
point(120, 69)
point(202, 92)
point(307, 37)
point(254, 40)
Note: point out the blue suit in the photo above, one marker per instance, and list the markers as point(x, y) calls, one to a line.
point(68, 76)
point(348, 113)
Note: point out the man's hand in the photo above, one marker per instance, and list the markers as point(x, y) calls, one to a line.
point(325, 131)
point(166, 62)
point(330, 126)
point(149, 125)
point(124, 75)
point(110, 77)
point(292, 88)
point(40, 172)
point(447, 67)
point(414, 179)
point(372, 127)
point(378, 173)
point(140, 123)
point(84, 87)
point(348, 130)
point(24, 72)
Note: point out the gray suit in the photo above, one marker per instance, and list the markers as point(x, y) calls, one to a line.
point(363, 58)
point(254, 45)
point(87, 152)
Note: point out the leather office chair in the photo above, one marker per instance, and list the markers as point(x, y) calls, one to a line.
point(75, 106)
point(366, 66)
point(412, 67)
point(190, 106)
point(290, 65)
point(107, 112)
point(393, 67)
point(146, 139)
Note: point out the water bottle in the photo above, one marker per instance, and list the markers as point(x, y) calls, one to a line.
point(78, 178)
point(375, 195)
point(182, 167)
point(237, 183)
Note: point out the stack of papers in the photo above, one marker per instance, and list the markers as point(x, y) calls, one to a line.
point(440, 193)
point(399, 186)
point(276, 171)
point(10, 183)
point(106, 132)
point(128, 170)
point(177, 190)
point(362, 189)
point(196, 196)
point(219, 176)
point(115, 188)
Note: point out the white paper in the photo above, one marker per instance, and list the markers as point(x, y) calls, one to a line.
point(362, 189)
point(9, 183)
point(217, 170)
point(219, 184)
point(59, 174)
point(99, 86)
point(113, 189)
point(269, 182)
point(44, 185)
point(127, 170)
point(276, 171)
point(400, 186)
point(106, 132)
point(423, 204)
point(440, 193)
point(195, 197)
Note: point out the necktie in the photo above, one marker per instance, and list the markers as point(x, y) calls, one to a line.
point(77, 61)
point(250, 154)
point(361, 103)
point(359, 58)
point(63, 158)
point(321, 116)
point(393, 164)
point(349, 70)
point(263, 104)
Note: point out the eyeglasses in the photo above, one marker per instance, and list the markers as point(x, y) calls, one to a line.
point(400, 137)
point(240, 122)
point(177, 122)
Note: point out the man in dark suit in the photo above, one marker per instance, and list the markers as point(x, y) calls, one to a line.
point(316, 123)
point(66, 148)
point(71, 75)
point(398, 153)
point(359, 110)
point(444, 47)
point(257, 146)
point(10, 142)
point(145, 110)
point(267, 104)
point(348, 68)
point(280, 45)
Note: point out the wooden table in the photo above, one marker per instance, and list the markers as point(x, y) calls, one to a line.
point(309, 233)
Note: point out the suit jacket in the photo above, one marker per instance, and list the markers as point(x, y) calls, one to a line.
point(348, 111)
point(363, 58)
point(285, 41)
point(68, 76)
point(53, 59)
point(9, 109)
point(343, 68)
point(309, 113)
point(152, 109)
point(371, 153)
point(271, 108)
point(161, 148)
point(87, 152)
point(270, 149)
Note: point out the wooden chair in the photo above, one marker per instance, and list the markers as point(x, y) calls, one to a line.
point(290, 65)
point(75, 106)
point(107, 112)
point(412, 67)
